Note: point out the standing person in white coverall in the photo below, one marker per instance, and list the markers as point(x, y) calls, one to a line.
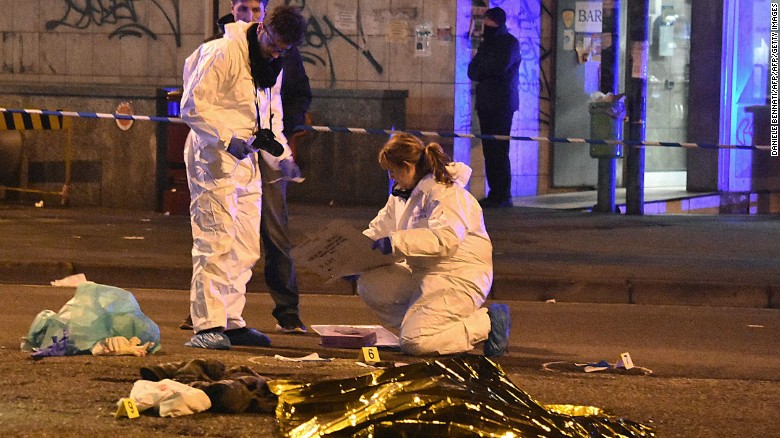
point(435, 295)
point(232, 103)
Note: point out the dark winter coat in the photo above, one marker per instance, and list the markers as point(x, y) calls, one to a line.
point(495, 68)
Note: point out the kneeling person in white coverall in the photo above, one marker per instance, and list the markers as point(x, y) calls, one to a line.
point(232, 96)
point(435, 295)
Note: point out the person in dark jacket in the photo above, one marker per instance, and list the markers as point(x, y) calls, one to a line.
point(495, 68)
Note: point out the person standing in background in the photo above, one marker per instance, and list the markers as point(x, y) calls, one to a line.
point(495, 68)
point(279, 267)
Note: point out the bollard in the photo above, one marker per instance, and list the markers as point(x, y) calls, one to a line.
point(606, 122)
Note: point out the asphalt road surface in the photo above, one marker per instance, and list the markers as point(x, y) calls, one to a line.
point(702, 371)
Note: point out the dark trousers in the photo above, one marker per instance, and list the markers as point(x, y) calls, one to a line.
point(497, 166)
point(279, 268)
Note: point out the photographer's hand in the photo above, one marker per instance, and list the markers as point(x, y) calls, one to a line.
point(239, 148)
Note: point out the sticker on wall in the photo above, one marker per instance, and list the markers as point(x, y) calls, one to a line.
point(422, 39)
point(568, 18)
point(444, 33)
point(588, 47)
point(639, 50)
point(568, 39)
point(124, 108)
point(478, 9)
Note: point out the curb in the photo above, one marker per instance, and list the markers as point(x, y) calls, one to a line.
point(646, 291)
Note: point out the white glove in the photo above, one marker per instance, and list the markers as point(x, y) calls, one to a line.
point(121, 346)
point(290, 170)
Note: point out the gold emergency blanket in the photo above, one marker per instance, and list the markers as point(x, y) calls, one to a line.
point(465, 396)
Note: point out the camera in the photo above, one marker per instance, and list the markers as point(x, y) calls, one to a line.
point(266, 140)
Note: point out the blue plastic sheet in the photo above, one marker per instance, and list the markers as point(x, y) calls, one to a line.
point(95, 312)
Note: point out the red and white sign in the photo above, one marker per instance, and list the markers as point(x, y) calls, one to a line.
point(124, 108)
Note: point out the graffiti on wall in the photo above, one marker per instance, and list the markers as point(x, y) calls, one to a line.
point(321, 31)
point(530, 19)
point(81, 14)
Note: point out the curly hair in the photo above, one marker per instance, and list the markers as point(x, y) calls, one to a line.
point(287, 24)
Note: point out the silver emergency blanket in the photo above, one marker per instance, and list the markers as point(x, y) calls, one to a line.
point(461, 397)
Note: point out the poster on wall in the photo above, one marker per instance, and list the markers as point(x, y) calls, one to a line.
point(422, 39)
point(345, 17)
point(478, 9)
point(397, 31)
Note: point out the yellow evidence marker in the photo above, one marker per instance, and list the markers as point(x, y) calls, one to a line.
point(127, 408)
point(369, 355)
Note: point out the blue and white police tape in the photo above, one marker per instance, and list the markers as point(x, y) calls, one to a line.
point(89, 115)
point(572, 140)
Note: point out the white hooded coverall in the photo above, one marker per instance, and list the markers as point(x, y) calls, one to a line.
point(218, 103)
point(435, 295)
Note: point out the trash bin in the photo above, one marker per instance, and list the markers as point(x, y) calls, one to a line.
point(606, 122)
point(172, 174)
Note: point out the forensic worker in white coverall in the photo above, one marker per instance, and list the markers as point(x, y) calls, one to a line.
point(435, 294)
point(232, 103)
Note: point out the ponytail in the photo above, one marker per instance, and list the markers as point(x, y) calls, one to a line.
point(436, 161)
point(406, 148)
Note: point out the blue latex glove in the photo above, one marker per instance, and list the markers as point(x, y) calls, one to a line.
point(383, 245)
point(289, 168)
point(239, 148)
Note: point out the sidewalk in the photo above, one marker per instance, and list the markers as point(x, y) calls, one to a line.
point(539, 254)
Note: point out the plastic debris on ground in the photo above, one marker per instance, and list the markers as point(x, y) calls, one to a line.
point(624, 363)
point(597, 366)
point(70, 281)
point(314, 357)
point(464, 396)
point(121, 346)
point(169, 397)
point(96, 312)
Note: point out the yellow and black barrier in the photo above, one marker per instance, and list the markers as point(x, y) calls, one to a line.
point(31, 121)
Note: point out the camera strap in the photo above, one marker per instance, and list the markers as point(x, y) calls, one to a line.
point(257, 110)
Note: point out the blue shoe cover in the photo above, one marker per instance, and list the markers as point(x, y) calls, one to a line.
point(500, 325)
point(210, 341)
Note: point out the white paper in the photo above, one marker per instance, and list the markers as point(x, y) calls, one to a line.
point(314, 357)
point(287, 178)
point(337, 250)
point(384, 337)
point(344, 16)
point(70, 281)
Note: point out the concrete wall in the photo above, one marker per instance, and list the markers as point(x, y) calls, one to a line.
point(141, 42)
point(110, 167)
point(124, 51)
point(343, 168)
point(103, 53)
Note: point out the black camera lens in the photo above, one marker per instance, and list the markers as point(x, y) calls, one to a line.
point(266, 140)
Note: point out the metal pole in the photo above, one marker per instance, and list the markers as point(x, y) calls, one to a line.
point(610, 68)
point(636, 89)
